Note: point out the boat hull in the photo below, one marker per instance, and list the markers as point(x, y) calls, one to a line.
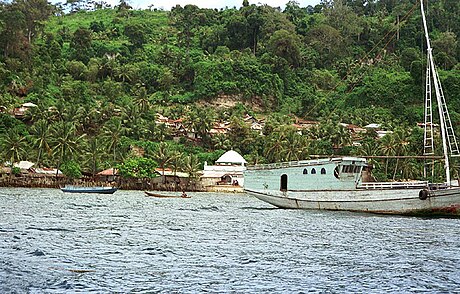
point(445, 202)
point(103, 190)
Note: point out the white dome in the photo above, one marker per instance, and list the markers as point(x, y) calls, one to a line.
point(231, 157)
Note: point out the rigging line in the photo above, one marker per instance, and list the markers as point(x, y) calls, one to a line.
point(385, 46)
point(359, 62)
point(353, 85)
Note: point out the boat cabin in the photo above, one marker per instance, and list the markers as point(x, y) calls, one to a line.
point(323, 174)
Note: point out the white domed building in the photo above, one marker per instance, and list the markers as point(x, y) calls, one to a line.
point(228, 171)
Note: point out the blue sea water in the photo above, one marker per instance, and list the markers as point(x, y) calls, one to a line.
point(51, 242)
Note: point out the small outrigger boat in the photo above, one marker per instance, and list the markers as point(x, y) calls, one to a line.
point(151, 194)
point(80, 189)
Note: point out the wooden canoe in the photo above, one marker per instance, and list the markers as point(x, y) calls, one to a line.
point(151, 194)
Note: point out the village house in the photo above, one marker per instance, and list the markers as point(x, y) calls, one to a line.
point(220, 128)
point(170, 175)
point(377, 128)
point(108, 175)
point(254, 124)
point(306, 124)
point(249, 119)
point(19, 112)
point(257, 126)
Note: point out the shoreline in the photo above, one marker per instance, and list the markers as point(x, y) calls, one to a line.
point(122, 184)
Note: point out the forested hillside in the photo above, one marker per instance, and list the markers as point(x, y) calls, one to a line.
point(102, 76)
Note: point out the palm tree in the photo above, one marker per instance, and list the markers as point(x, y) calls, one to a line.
point(367, 148)
point(175, 161)
point(58, 112)
point(40, 132)
point(239, 133)
point(255, 158)
point(191, 165)
point(88, 117)
point(200, 120)
point(163, 156)
point(252, 144)
point(411, 169)
point(402, 146)
point(94, 152)
point(141, 100)
point(221, 141)
point(133, 122)
point(38, 113)
point(342, 137)
point(113, 132)
point(123, 72)
point(294, 145)
point(162, 132)
point(65, 141)
point(13, 146)
point(388, 148)
point(274, 146)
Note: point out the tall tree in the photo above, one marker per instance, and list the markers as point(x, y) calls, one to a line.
point(12, 24)
point(81, 45)
point(186, 20)
point(65, 141)
point(191, 165)
point(40, 132)
point(13, 146)
point(163, 155)
point(200, 120)
point(94, 152)
point(286, 45)
point(35, 12)
point(136, 34)
point(113, 131)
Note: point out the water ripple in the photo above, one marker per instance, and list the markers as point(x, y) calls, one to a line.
point(212, 243)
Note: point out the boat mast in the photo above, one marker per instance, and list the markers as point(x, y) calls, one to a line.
point(438, 91)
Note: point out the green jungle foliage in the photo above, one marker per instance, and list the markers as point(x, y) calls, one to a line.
point(102, 75)
point(71, 169)
point(138, 168)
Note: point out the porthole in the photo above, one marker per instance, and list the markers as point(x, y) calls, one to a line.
point(313, 171)
point(305, 171)
point(323, 171)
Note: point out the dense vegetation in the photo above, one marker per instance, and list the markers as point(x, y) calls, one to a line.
point(100, 75)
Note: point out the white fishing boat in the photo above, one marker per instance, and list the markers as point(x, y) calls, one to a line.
point(340, 183)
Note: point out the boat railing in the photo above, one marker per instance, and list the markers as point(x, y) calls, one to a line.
point(284, 164)
point(309, 162)
point(393, 185)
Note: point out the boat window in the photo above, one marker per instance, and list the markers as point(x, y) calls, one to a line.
point(313, 171)
point(357, 168)
point(323, 171)
point(336, 172)
point(305, 171)
point(348, 169)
